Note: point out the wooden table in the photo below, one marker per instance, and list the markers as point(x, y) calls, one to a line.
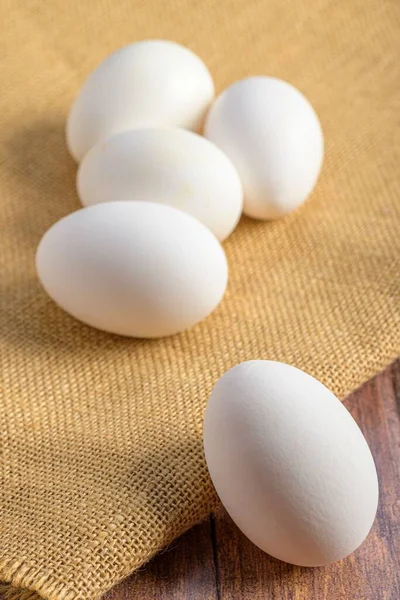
point(214, 561)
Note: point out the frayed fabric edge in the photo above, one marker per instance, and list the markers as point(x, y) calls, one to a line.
point(20, 581)
point(9, 592)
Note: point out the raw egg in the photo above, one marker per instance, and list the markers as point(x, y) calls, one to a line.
point(170, 166)
point(150, 83)
point(133, 268)
point(273, 136)
point(289, 463)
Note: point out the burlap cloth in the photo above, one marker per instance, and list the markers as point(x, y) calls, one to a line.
point(101, 453)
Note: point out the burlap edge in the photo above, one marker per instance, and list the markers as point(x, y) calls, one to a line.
point(9, 592)
point(20, 581)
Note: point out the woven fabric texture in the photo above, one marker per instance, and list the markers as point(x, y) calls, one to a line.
point(101, 452)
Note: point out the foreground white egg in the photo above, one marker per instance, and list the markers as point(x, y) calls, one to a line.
point(150, 83)
point(273, 136)
point(289, 463)
point(170, 166)
point(133, 268)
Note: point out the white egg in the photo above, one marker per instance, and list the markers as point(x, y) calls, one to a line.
point(133, 268)
point(170, 166)
point(289, 463)
point(150, 83)
point(273, 136)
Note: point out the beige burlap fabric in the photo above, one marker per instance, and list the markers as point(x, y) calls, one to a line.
point(101, 454)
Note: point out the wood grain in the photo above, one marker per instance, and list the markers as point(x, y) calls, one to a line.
point(214, 561)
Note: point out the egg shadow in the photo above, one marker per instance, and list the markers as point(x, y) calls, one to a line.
point(33, 151)
point(42, 177)
point(42, 187)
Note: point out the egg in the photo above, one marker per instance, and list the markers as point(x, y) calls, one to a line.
point(170, 166)
point(289, 463)
point(273, 136)
point(133, 268)
point(149, 83)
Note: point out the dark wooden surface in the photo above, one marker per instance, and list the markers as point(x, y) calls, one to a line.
point(214, 561)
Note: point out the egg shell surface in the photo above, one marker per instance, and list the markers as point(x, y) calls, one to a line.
point(149, 83)
point(289, 463)
point(273, 136)
point(133, 268)
point(170, 166)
